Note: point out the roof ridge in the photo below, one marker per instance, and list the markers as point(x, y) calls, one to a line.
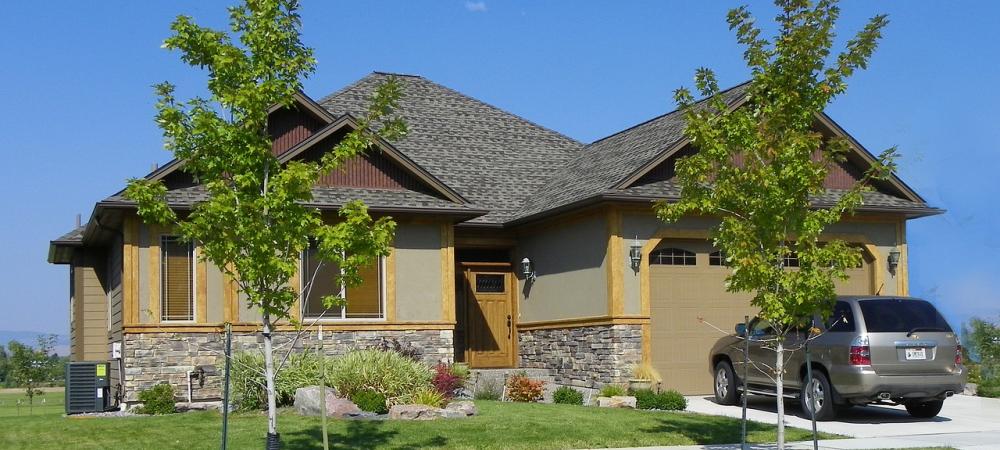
point(397, 74)
point(675, 110)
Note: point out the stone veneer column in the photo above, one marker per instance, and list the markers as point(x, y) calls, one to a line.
point(583, 356)
point(154, 358)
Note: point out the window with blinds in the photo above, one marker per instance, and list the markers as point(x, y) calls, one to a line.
point(177, 279)
point(364, 301)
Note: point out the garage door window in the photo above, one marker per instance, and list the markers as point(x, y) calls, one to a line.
point(717, 258)
point(672, 257)
point(792, 259)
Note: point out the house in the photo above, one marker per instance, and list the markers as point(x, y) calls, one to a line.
point(517, 247)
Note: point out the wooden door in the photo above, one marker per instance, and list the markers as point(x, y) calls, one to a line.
point(489, 315)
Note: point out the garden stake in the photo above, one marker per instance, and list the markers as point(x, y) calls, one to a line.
point(322, 388)
point(811, 404)
point(746, 365)
point(225, 386)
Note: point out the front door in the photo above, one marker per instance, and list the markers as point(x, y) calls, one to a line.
point(489, 315)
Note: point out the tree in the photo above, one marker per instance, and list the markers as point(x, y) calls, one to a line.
point(30, 367)
point(760, 167)
point(256, 222)
point(982, 340)
point(4, 366)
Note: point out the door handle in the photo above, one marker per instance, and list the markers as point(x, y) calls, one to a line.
point(510, 327)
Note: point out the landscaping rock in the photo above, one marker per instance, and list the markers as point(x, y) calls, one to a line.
point(464, 406)
point(622, 401)
point(424, 412)
point(307, 403)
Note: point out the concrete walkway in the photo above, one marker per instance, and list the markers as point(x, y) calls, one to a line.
point(965, 422)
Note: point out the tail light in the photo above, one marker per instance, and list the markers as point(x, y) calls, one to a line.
point(861, 353)
point(958, 355)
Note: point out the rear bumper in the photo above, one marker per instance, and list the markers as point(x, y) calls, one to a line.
point(864, 384)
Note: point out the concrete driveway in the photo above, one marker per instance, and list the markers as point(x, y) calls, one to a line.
point(964, 422)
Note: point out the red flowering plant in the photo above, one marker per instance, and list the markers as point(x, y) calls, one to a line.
point(446, 381)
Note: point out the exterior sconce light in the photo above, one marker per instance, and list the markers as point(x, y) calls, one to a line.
point(893, 260)
point(527, 270)
point(635, 254)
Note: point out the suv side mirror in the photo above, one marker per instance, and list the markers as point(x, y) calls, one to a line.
point(741, 329)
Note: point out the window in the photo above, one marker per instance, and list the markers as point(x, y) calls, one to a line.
point(176, 279)
point(672, 257)
point(490, 283)
point(842, 318)
point(895, 315)
point(717, 258)
point(365, 301)
point(792, 259)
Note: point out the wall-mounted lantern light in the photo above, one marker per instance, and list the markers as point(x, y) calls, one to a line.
point(893, 260)
point(635, 254)
point(527, 270)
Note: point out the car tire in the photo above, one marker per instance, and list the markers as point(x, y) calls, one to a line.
point(724, 382)
point(824, 394)
point(924, 409)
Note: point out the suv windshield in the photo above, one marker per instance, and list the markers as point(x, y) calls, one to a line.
point(894, 315)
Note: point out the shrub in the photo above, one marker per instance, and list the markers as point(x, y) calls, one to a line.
point(567, 396)
point(446, 382)
point(386, 372)
point(429, 397)
point(612, 390)
point(667, 400)
point(300, 370)
point(370, 401)
point(158, 399)
point(520, 388)
point(488, 389)
point(405, 350)
point(460, 370)
point(989, 388)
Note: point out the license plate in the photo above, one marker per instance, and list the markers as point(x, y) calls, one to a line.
point(916, 353)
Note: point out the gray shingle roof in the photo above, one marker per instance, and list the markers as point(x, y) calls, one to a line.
point(604, 163)
point(332, 197)
point(491, 157)
point(74, 236)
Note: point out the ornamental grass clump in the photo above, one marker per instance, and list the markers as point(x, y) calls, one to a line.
point(429, 397)
point(520, 388)
point(247, 378)
point(612, 390)
point(385, 372)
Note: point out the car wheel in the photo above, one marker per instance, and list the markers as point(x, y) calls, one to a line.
point(819, 395)
point(725, 384)
point(924, 409)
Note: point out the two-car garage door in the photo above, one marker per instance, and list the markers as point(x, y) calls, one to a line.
point(687, 283)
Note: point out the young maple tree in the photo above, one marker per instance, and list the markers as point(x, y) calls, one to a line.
point(760, 167)
point(255, 222)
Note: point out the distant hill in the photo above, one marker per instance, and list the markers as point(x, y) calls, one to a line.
point(31, 337)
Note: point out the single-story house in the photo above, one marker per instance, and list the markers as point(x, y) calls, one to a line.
point(517, 247)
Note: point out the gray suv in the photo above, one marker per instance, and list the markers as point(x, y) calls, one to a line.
point(881, 350)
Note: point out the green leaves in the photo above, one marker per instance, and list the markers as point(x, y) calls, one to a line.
point(255, 222)
point(761, 167)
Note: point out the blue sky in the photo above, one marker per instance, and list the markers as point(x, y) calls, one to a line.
point(76, 81)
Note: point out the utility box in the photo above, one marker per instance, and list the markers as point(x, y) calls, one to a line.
point(87, 385)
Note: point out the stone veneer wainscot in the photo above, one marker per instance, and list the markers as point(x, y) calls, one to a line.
point(583, 356)
point(153, 358)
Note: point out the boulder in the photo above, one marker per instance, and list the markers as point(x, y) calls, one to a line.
point(424, 412)
point(307, 403)
point(618, 401)
point(464, 406)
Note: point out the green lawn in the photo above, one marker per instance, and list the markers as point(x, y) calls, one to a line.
point(499, 425)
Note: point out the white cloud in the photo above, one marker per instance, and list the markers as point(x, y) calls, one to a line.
point(475, 6)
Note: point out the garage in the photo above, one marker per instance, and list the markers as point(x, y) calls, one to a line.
point(687, 281)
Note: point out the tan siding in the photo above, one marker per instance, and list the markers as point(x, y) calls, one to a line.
point(90, 328)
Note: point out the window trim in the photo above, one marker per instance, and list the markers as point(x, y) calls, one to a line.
point(382, 293)
point(194, 281)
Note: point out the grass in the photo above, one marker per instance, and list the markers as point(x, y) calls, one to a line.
point(499, 425)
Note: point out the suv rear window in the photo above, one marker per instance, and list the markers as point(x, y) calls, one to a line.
point(894, 315)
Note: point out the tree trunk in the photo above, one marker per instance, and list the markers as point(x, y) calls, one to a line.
point(779, 380)
point(272, 402)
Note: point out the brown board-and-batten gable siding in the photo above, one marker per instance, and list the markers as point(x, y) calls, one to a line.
point(290, 126)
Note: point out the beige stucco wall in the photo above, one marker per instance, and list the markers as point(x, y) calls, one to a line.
point(570, 263)
point(418, 272)
point(644, 225)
